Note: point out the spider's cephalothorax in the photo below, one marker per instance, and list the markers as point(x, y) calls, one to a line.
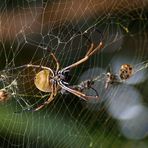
point(126, 71)
point(48, 80)
point(64, 76)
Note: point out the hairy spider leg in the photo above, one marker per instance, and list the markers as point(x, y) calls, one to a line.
point(91, 51)
point(77, 93)
point(51, 98)
point(57, 63)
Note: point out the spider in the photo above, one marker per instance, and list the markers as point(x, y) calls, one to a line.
point(48, 80)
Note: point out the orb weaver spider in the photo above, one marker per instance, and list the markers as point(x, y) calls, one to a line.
point(48, 80)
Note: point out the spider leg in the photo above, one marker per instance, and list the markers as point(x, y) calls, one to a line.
point(44, 67)
point(40, 66)
point(57, 63)
point(77, 93)
point(94, 91)
point(90, 49)
point(97, 48)
point(52, 96)
point(90, 52)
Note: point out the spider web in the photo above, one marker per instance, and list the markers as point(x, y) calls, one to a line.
point(31, 30)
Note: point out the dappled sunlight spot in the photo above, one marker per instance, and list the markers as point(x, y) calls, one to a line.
point(122, 98)
point(135, 127)
point(130, 112)
point(91, 73)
